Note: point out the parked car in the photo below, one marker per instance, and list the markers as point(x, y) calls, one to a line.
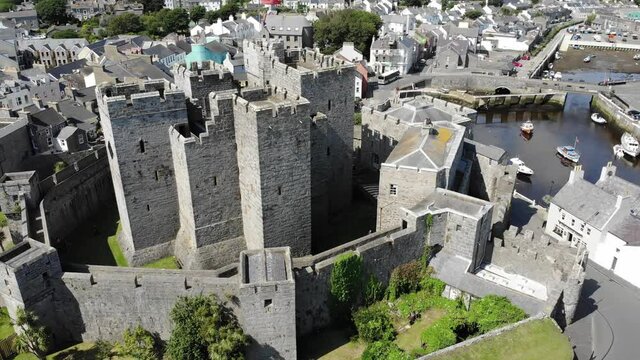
point(635, 114)
point(517, 64)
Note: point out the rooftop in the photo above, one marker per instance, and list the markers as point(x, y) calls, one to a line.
point(447, 200)
point(586, 201)
point(267, 265)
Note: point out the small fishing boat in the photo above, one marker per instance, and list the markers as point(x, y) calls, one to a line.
point(587, 59)
point(569, 152)
point(598, 119)
point(630, 144)
point(550, 66)
point(617, 151)
point(557, 76)
point(522, 168)
point(527, 127)
point(636, 57)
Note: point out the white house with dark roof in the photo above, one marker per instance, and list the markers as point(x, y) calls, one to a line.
point(294, 30)
point(604, 216)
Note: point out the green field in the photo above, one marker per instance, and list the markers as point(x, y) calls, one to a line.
point(538, 339)
point(6, 329)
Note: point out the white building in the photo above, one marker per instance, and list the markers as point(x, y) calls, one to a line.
point(604, 216)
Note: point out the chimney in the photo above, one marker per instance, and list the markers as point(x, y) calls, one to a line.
point(231, 18)
point(576, 173)
point(619, 201)
point(243, 16)
point(607, 171)
point(54, 105)
point(38, 102)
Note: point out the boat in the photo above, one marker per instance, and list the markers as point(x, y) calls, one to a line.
point(527, 127)
point(557, 76)
point(630, 144)
point(551, 73)
point(587, 59)
point(598, 119)
point(557, 55)
point(617, 151)
point(550, 66)
point(569, 152)
point(522, 168)
point(636, 57)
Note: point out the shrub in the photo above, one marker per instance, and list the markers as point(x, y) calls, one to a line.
point(357, 118)
point(373, 324)
point(384, 350)
point(432, 286)
point(439, 335)
point(3, 220)
point(58, 166)
point(404, 279)
point(494, 311)
point(374, 291)
point(346, 280)
point(139, 343)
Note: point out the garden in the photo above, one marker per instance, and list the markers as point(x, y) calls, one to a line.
point(409, 318)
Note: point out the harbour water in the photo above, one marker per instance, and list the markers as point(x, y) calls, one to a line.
point(552, 129)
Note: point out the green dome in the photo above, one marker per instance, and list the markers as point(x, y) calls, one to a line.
point(199, 53)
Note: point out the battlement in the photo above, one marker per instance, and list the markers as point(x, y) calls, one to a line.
point(277, 103)
point(131, 99)
point(263, 46)
point(266, 266)
point(204, 72)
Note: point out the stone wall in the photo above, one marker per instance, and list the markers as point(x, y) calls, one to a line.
point(273, 139)
point(380, 134)
point(15, 146)
point(76, 197)
point(135, 121)
point(202, 79)
point(206, 171)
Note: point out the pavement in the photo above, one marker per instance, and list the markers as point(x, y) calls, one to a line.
point(608, 318)
point(529, 65)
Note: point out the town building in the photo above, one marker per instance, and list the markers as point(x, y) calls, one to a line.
point(295, 31)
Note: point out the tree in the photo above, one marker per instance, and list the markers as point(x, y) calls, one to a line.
point(590, 19)
point(3, 220)
point(52, 11)
point(176, 20)
point(152, 5)
point(58, 166)
point(346, 281)
point(33, 337)
point(126, 23)
point(493, 311)
point(139, 343)
point(496, 3)
point(374, 324)
point(404, 279)
point(348, 25)
point(197, 12)
point(231, 8)
point(65, 34)
point(204, 329)
point(473, 14)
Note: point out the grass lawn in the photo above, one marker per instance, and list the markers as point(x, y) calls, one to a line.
point(538, 339)
point(164, 263)
point(96, 241)
point(409, 339)
point(350, 350)
point(81, 351)
point(6, 329)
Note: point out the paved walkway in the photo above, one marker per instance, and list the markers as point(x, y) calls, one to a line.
point(608, 318)
point(528, 66)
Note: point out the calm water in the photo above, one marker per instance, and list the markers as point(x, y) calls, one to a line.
point(552, 129)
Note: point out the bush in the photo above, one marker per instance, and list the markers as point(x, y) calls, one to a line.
point(373, 324)
point(3, 220)
point(384, 350)
point(432, 286)
point(404, 279)
point(346, 280)
point(439, 335)
point(58, 166)
point(357, 118)
point(139, 343)
point(494, 311)
point(374, 291)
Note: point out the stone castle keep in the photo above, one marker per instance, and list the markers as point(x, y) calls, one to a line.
point(240, 182)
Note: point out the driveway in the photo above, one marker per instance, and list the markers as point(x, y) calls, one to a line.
point(608, 324)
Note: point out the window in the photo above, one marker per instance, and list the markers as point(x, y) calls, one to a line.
point(393, 189)
point(215, 181)
point(582, 227)
point(141, 143)
point(458, 227)
point(49, 140)
point(268, 302)
point(148, 207)
point(329, 105)
point(558, 230)
point(588, 231)
point(288, 38)
point(279, 190)
point(573, 222)
point(110, 150)
point(157, 175)
point(80, 139)
point(562, 216)
point(328, 151)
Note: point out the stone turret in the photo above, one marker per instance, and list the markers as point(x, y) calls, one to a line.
point(198, 80)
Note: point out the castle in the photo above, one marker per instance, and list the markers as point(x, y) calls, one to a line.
point(239, 183)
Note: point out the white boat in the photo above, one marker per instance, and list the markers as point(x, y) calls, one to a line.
point(557, 76)
point(630, 144)
point(522, 168)
point(617, 151)
point(550, 66)
point(597, 38)
point(569, 152)
point(598, 119)
point(527, 127)
point(557, 55)
point(636, 57)
point(587, 59)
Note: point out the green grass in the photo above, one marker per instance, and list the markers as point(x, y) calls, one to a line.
point(114, 246)
point(409, 340)
point(164, 263)
point(538, 339)
point(81, 351)
point(350, 350)
point(6, 329)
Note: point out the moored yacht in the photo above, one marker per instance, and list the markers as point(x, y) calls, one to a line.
point(630, 144)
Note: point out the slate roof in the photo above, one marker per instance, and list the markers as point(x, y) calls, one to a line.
point(67, 132)
point(76, 112)
point(58, 71)
point(286, 24)
point(47, 117)
point(488, 151)
point(443, 199)
point(587, 202)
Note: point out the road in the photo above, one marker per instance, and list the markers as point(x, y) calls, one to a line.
point(528, 66)
point(608, 318)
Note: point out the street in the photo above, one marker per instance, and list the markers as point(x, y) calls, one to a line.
point(608, 318)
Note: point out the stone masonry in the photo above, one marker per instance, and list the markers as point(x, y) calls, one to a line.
point(135, 120)
point(199, 80)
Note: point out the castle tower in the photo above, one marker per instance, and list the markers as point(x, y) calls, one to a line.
point(273, 138)
point(267, 294)
point(135, 120)
point(198, 80)
point(206, 171)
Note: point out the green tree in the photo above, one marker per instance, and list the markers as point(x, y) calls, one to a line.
point(346, 280)
point(6, 5)
point(3, 220)
point(231, 8)
point(126, 23)
point(590, 19)
point(65, 34)
point(204, 329)
point(348, 25)
point(176, 20)
point(404, 279)
point(52, 11)
point(494, 311)
point(496, 3)
point(58, 166)
point(374, 324)
point(197, 12)
point(139, 343)
point(152, 5)
point(384, 350)
point(33, 337)
point(473, 14)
